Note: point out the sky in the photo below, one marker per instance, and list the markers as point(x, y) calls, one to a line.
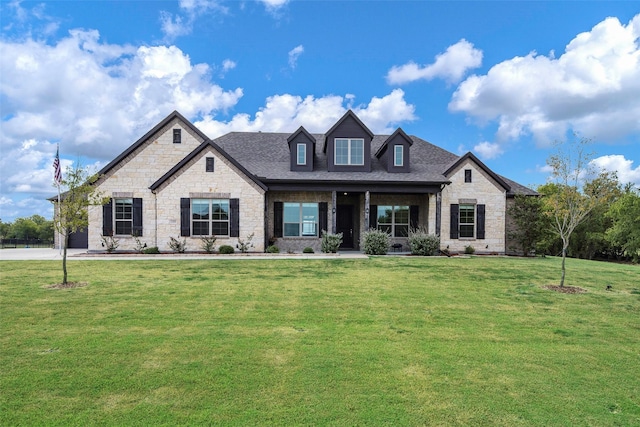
point(504, 80)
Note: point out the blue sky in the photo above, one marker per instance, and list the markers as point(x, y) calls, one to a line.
point(501, 79)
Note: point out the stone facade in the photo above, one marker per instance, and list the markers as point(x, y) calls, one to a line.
point(482, 189)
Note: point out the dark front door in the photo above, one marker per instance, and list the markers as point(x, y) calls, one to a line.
point(344, 225)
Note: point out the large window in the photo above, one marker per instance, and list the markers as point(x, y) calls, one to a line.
point(300, 219)
point(349, 151)
point(210, 217)
point(124, 216)
point(467, 220)
point(394, 220)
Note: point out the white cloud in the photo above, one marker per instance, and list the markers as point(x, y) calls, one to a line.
point(592, 88)
point(294, 54)
point(450, 66)
point(488, 150)
point(285, 113)
point(182, 23)
point(274, 5)
point(622, 166)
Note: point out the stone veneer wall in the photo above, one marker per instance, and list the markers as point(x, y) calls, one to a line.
point(484, 190)
point(133, 176)
point(226, 182)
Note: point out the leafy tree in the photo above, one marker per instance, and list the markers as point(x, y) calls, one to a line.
point(5, 229)
point(25, 228)
point(529, 223)
point(571, 168)
point(625, 230)
point(72, 214)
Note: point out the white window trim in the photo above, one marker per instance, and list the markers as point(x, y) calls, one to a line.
point(460, 223)
point(398, 157)
point(210, 221)
point(393, 224)
point(115, 215)
point(301, 223)
point(350, 142)
point(301, 148)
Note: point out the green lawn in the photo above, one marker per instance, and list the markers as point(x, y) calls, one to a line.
point(386, 341)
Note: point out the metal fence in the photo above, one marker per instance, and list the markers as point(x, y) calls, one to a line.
point(25, 243)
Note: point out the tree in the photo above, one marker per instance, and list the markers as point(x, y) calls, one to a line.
point(25, 228)
point(528, 223)
point(571, 169)
point(5, 229)
point(625, 232)
point(72, 214)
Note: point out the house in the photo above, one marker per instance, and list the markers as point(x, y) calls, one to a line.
point(285, 189)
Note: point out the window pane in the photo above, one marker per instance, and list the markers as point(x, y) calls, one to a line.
point(398, 155)
point(200, 209)
point(220, 210)
point(302, 154)
point(386, 228)
point(200, 228)
point(309, 219)
point(124, 208)
point(385, 214)
point(401, 214)
point(357, 152)
point(220, 228)
point(123, 227)
point(401, 230)
point(466, 230)
point(291, 229)
point(467, 214)
point(291, 212)
point(342, 151)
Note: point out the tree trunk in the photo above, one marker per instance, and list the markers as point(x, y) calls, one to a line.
point(64, 257)
point(564, 257)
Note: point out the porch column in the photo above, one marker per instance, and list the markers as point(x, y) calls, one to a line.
point(438, 212)
point(334, 201)
point(431, 213)
point(367, 198)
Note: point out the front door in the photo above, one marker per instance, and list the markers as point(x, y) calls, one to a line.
point(344, 225)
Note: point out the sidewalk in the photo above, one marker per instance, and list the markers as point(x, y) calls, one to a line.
point(82, 254)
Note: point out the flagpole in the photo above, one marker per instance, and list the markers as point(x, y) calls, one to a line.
point(57, 177)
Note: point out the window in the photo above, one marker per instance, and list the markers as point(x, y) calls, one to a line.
point(209, 167)
point(177, 136)
point(210, 217)
point(467, 220)
point(300, 219)
point(349, 151)
point(394, 220)
point(124, 216)
point(398, 153)
point(302, 154)
point(467, 175)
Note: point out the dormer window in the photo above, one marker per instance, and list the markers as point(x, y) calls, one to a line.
point(398, 155)
point(349, 151)
point(301, 153)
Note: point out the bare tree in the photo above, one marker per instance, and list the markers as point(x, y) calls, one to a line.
point(573, 172)
point(71, 212)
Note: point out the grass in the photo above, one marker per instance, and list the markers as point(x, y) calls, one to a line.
point(385, 341)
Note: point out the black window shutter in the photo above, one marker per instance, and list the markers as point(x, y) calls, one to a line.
point(234, 220)
point(323, 221)
point(107, 218)
point(414, 211)
point(455, 220)
point(278, 208)
point(137, 217)
point(210, 164)
point(373, 216)
point(185, 216)
point(480, 218)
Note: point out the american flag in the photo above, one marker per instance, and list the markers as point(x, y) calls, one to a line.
point(57, 175)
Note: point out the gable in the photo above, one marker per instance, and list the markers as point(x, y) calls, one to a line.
point(472, 161)
point(348, 145)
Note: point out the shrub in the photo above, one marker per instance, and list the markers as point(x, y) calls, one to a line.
point(469, 250)
point(376, 242)
point(308, 250)
point(271, 249)
point(152, 250)
point(330, 242)
point(226, 249)
point(423, 243)
point(139, 246)
point(244, 245)
point(110, 243)
point(176, 245)
point(208, 244)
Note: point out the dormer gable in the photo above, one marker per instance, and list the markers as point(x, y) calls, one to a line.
point(469, 179)
point(302, 148)
point(394, 153)
point(348, 145)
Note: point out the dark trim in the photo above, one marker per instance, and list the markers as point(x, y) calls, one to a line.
point(373, 216)
point(137, 217)
point(484, 167)
point(146, 136)
point(234, 220)
point(107, 218)
point(323, 214)
point(278, 211)
point(455, 221)
point(185, 216)
point(480, 219)
point(348, 114)
point(301, 136)
point(414, 216)
point(355, 186)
